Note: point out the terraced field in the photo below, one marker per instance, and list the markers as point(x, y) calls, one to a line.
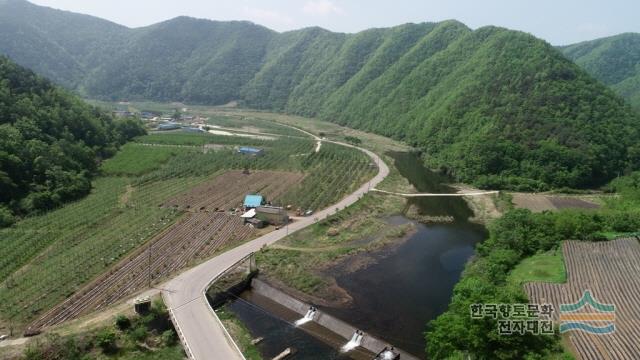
point(194, 236)
point(93, 252)
point(229, 189)
point(611, 270)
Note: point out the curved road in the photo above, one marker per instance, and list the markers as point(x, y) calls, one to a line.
point(200, 330)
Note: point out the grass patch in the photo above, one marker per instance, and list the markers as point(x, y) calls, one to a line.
point(240, 334)
point(198, 139)
point(544, 267)
point(359, 227)
point(136, 159)
point(612, 235)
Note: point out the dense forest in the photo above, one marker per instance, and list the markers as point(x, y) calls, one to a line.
point(50, 143)
point(493, 107)
point(613, 60)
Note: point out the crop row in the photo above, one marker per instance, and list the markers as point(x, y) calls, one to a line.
point(611, 271)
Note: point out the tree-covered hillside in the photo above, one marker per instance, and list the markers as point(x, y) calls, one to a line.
point(50, 142)
point(491, 106)
point(614, 60)
point(62, 46)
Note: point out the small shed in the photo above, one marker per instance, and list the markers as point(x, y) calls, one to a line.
point(245, 150)
point(253, 201)
point(142, 305)
point(272, 214)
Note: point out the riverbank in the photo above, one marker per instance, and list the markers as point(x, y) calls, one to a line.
point(300, 263)
point(387, 264)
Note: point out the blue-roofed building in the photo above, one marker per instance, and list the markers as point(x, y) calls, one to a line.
point(250, 151)
point(253, 201)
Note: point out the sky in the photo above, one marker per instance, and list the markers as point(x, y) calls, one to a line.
point(560, 22)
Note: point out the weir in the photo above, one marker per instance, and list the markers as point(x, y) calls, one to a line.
point(356, 337)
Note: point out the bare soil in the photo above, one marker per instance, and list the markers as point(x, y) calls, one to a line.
point(551, 202)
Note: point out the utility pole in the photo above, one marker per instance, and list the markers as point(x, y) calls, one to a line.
point(149, 262)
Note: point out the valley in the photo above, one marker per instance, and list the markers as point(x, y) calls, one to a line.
point(174, 187)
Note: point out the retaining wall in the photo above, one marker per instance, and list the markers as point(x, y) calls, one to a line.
point(327, 321)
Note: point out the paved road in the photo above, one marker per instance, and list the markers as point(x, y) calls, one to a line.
point(200, 330)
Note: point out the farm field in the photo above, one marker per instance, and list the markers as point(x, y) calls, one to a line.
point(541, 202)
point(611, 270)
point(82, 251)
point(138, 159)
point(229, 189)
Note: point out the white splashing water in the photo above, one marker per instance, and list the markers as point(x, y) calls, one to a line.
point(355, 341)
point(307, 317)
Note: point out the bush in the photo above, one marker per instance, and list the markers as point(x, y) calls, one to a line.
point(169, 338)
point(123, 322)
point(6, 217)
point(106, 340)
point(139, 333)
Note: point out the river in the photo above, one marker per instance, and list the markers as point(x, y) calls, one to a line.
point(396, 296)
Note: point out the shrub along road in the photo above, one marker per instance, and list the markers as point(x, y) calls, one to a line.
point(201, 332)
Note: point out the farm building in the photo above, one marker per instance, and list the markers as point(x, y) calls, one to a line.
point(272, 214)
point(245, 150)
point(257, 223)
point(193, 129)
point(253, 201)
point(169, 126)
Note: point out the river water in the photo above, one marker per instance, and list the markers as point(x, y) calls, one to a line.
point(396, 296)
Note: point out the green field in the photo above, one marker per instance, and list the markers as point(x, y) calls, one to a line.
point(196, 139)
point(47, 258)
point(544, 267)
point(137, 159)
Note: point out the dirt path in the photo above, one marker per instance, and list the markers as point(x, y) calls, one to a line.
point(124, 199)
point(319, 249)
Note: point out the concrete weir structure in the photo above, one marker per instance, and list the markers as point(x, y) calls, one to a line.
point(327, 321)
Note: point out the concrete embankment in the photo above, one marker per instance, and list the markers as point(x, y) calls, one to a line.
point(325, 320)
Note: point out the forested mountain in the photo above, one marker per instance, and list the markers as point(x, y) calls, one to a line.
point(614, 60)
point(50, 142)
point(491, 106)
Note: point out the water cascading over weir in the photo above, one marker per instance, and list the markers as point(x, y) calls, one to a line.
point(307, 317)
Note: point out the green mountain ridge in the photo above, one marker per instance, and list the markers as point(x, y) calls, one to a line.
point(491, 106)
point(613, 60)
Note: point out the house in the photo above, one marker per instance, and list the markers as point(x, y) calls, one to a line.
point(272, 214)
point(245, 150)
point(253, 201)
point(168, 126)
